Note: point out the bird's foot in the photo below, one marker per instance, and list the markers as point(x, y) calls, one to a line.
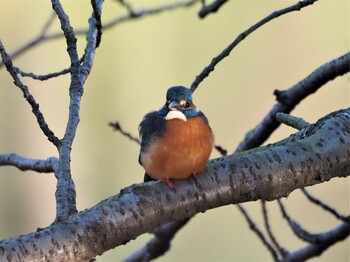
point(169, 183)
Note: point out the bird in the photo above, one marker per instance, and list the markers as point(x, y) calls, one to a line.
point(176, 140)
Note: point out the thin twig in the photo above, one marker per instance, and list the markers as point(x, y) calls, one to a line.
point(28, 96)
point(221, 150)
point(226, 52)
point(325, 206)
point(211, 8)
point(43, 77)
point(140, 13)
point(258, 232)
point(292, 121)
point(281, 251)
point(327, 239)
point(127, 6)
point(117, 127)
point(298, 230)
point(36, 40)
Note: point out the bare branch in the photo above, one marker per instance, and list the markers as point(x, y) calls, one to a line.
point(327, 239)
point(258, 232)
point(318, 243)
point(298, 230)
point(160, 244)
point(292, 121)
point(141, 13)
point(226, 52)
point(65, 192)
point(117, 127)
point(281, 251)
point(290, 98)
point(325, 207)
point(97, 12)
point(43, 77)
point(221, 150)
point(22, 163)
point(38, 39)
point(93, 39)
point(212, 8)
point(27, 95)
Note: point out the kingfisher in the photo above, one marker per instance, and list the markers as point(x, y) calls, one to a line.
point(176, 140)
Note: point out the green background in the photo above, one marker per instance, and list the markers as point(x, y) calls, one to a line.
point(135, 64)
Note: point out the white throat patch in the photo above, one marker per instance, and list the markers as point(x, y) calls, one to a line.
point(174, 114)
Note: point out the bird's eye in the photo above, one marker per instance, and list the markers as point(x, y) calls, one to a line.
point(167, 103)
point(187, 105)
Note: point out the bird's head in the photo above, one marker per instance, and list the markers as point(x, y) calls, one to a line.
point(179, 104)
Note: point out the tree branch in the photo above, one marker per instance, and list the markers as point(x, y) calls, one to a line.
point(292, 121)
point(226, 52)
point(141, 13)
point(212, 8)
point(42, 36)
point(258, 232)
point(65, 193)
point(43, 77)
point(159, 244)
point(22, 163)
point(290, 98)
point(6, 59)
point(269, 173)
point(325, 207)
point(281, 251)
point(327, 239)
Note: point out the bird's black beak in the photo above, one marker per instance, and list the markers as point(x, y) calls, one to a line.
point(174, 106)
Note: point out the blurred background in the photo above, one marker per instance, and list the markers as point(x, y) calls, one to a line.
point(135, 64)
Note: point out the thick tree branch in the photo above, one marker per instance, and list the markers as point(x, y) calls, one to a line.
point(22, 163)
point(226, 52)
point(269, 173)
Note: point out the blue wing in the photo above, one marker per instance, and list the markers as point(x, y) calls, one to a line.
point(152, 126)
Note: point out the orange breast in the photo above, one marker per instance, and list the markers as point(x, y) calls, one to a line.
point(183, 150)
